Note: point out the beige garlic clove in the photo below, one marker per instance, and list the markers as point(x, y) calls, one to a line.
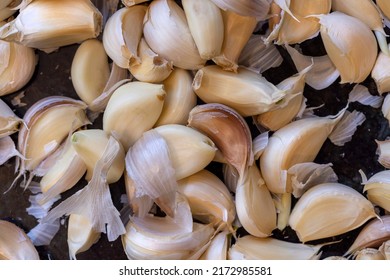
point(9, 122)
point(245, 91)
point(122, 34)
point(129, 3)
point(90, 70)
point(384, 6)
point(383, 151)
point(89, 145)
point(378, 189)
point(180, 98)
point(253, 8)
point(167, 33)
point(138, 106)
point(218, 248)
point(380, 72)
point(329, 209)
point(50, 24)
point(15, 244)
point(350, 44)
point(275, 16)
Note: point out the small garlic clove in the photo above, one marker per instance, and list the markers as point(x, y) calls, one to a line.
point(9, 122)
point(383, 152)
point(378, 189)
point(253, 8)
point(380, 72)
point(15, 244)
point(369, 254)
point(218, 248)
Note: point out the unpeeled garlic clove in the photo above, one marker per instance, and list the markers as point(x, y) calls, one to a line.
point(253, 8)
point(380, 72)
point(167, 33)
point(378, 189)
point(384, 6)
point(385, 249)
point(9, 122)
point(383, 152)
point(329, 209)
point(15, 244)
point(218, 248)
point(369, 254)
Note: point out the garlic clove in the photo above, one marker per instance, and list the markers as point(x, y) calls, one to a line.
point(380, 72)
point(385, 249)
point(384, 7)
point(8, 8)
point(7, 149)
point(369, 254)
point(218, 248)
point(378, 189)
point(9, 122)
point(129, 3)
point(253, 8)
point(383, 152)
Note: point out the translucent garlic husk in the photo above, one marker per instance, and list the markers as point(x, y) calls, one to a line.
point(122, 34)
point(152, 68)
point(81, 235)
point(329, 209)
point(378, 189)
point(15, 244)
point(384, 6)
point(253, 8)
point(50, 24)
point(206, 25)
point(369, 254)
point(167, 33)
point(89, 145)
point(129, 114)
point(209, 199)
point(7, 149)
point(350, 44)
point(245, 91)
point(90, 70)
point(380, 72)
point(7, 8)
point(237, 31)
point(180, 98)
point(218, 248)
point(17, 66)
point(254, 248)
point(9, 122)
point(297, 24)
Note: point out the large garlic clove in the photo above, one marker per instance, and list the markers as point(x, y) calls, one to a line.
point(15, 244)
point(9, 122)
point(245, 91)
point(380, 72)
point(122, 34)
point(350, 44)
point(329, 209)
point(378, 189)
point(133, 109)
point(90, 70)
point(167, 33)
point(180, 98)
point(253, 8)
point(254, 248)
point(50, 24)
point(89, 145)
point(218, 248)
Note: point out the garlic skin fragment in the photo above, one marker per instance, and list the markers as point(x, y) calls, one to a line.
point(218, 248)
point(254, 248)
point(9, 122)
point(329, 209)
point(378, 189)
point(50, 24)
point(167, 33)
point(380, 72)
point(90, 70)
point(245, 91)
point(15, 244)
point(180, 98)
point(350, 44)
point(7, 149)
point(138, 106)
point(253, 8)
point(81, 235)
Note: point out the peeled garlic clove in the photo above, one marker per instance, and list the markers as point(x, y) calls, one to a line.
point(167, 33)
point(384, 6)
point(228, 130)
point(237, 31)
point(81, 235)
point(380, 72)
point(367, 12)
point(372, 235)
point(206, 26)
point(218, 248)
point(15, 244)
point(245, 91)
point(133, 109)
point(90, 144)
point(122, 34)
point(346, 209)
point(254, 248)
point(180, 98)
point(253, 8)
point(152, 68)
point(378, 189)
point(350, 44)
point(53, 24)
point(254, 205)
point(209, 199)
point(369, 254)
point(90, 70)
point(9, 122)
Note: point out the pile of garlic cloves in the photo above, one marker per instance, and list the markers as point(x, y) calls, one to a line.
point(173, 104)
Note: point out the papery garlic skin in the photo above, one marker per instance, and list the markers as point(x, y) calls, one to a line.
point(9, 122)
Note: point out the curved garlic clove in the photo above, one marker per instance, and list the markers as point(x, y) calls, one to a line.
point(122, 34)
point(8, 8)
point(152, 68)
point(129, 3)
point(167, 33)
point(383, 151)
point(347, 210)
point(206, 25)
point(245, 91)
point(15, 244)
point(369, 254)
point(378, 189)
point(138, 106)
point(254, 205)
point(218, 248)
point(228, 130)
point(209, 199)
point(9, 122)
point(180, 98)
point(90, 70)
point(253, 8)
point(254, 248)
point(350, 44)
point(48, 25)
point(237, 31)
point(275, 16)
point(81, 235)
point(384, 6)
point(380, 72)
point(89, 144)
